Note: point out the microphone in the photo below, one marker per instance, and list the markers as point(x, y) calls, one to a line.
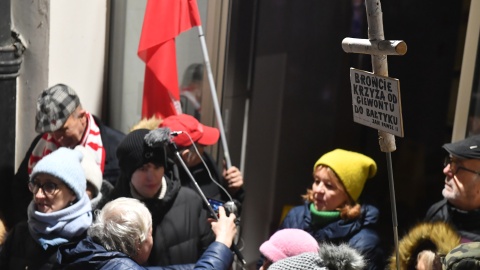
point(158, 137)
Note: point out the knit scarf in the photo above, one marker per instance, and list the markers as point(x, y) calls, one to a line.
point(91, 139)
point(52, 229)
point(322, 218)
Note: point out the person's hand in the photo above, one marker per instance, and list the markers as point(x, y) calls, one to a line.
point(234, 178)
point(224, 228)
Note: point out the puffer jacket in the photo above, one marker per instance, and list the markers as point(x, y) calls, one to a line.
point(181, 232)
point(360, 234)
point(465, 256)
point(437, 236)
point(87, 255)
point(467, 223)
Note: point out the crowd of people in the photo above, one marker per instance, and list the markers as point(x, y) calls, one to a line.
point(90, 197)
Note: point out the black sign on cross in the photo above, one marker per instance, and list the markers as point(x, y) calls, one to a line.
point(379, 48)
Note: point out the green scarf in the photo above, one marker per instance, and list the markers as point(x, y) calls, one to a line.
point(322, 218)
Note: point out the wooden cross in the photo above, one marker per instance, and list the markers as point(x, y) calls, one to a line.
point(379, 48)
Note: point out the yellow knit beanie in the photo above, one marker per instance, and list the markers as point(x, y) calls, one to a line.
point(352, 168)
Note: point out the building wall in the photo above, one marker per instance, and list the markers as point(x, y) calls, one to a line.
point(65, 43)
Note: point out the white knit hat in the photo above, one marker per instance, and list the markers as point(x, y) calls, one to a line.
point(92, 170)
point(64, 164)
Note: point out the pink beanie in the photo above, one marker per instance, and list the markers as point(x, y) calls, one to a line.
point(287, 243)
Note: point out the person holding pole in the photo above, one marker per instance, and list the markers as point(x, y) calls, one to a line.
point(331, 212)
point(461, 204)
point(211, 181)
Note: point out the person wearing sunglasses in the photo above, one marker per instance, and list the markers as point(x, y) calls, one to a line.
point(59, 213)
point(461, 204)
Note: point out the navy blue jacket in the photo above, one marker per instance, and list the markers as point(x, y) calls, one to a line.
point(87, 255)
point(360, 234)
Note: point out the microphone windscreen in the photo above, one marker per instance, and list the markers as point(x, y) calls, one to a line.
point(158, 137)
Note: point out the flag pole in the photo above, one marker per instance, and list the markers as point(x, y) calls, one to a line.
point(213, 91)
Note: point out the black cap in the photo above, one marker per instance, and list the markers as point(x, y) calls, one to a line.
point(468, 148)
point(133, 152)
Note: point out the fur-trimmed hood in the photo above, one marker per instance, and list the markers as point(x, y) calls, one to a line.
point(439, 237)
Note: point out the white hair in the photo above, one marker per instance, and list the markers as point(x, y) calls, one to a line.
point(121, 225)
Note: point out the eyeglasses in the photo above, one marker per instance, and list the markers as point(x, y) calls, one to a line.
point(454, 167)
point(48, 188)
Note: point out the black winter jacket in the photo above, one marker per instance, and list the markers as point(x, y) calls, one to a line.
point(181, 232)
point(467, 223)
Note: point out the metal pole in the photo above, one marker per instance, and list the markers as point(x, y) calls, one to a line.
point(386, 140)
point(213, 91)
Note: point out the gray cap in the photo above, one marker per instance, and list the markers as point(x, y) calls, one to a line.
point(54, 106)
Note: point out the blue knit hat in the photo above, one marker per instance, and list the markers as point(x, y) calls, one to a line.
point(65, 165)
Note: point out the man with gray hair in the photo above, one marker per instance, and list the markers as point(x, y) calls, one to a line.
point(61, 121)
point(461, 204)
point(121, 238)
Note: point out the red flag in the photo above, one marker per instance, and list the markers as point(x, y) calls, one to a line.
point(163, 21)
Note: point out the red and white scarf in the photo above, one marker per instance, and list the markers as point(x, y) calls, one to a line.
point(91, 139)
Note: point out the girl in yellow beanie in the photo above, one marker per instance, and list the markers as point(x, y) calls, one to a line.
point(331, 212)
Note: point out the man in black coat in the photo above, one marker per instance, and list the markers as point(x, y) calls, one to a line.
point(461, 204)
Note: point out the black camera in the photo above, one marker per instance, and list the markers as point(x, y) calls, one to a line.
point(215, 204)
point(229, 206)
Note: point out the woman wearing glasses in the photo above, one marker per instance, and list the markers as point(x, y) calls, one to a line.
point(60, 212)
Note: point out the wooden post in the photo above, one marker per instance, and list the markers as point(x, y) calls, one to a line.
point(379, 48)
